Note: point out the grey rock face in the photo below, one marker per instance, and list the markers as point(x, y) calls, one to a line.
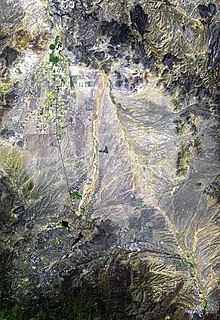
point(109, 160)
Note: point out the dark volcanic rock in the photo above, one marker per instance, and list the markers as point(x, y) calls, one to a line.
point(10, 55)
point(139, 19)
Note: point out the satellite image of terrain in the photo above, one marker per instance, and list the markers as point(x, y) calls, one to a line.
point(109, 160)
